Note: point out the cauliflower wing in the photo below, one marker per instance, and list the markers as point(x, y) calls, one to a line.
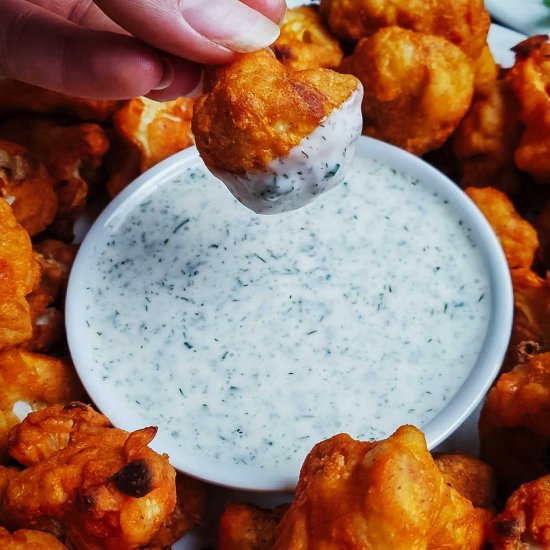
point(514, 425)
point(305, 42)
point(19, 273)
point(387, 494)
point(531, 82)
point(253, 128)
point(524, 523)
point(462, 22)
point(157, 130)
point(32, 381)
point(517, 236)
point(27, 187)
point(417, 87)
point(485, 141)
point(72, 154)
point(107, 491)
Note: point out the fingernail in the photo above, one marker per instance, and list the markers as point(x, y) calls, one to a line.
point(197, 90)
point(168, 74)
point(230, 23)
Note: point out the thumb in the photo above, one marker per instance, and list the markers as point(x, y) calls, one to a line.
point(206, 31)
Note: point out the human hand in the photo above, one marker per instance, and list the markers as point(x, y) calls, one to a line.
point(117, 49)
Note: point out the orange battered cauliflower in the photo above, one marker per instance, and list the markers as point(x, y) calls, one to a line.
point(19, 274)
point(305, 42)
point(417, 87)
point(104, 491)
point(26, 186)
point(72, 154)
point(514, 426)
point(32, 381)
point(518, 237)
point(485, 141)
point(531, 82)
point(157, 130)
point(525, 522)
point(255, 111)
point(465, 23)
point(387, 494)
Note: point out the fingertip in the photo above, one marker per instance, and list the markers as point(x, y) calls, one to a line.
point(187, 81)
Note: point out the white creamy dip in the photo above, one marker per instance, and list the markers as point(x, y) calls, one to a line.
point(317, 164)
point(247, 339)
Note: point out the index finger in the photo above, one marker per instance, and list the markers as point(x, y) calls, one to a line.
point(206, 31)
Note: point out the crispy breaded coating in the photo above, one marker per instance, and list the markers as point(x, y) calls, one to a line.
point(471, 477)
point(462, 22)
point(189, 512)
point(517, 236)
point(542, 225)
point(108, 491)
point(27, 187)
point(417, 87)
point(305, 42)
point(255, 111)
point(43, 433)
point(157, 130)
point(485, 141)
point(19, 274)
point(72, 154)
point(387, 494)
point(514, 426)
point(524, 523)
point(247, 527)
point(531, 82)
point(18, 96)
point(32, 381)
point(26, 539)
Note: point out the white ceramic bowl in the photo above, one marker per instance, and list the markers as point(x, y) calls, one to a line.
point(117, 399)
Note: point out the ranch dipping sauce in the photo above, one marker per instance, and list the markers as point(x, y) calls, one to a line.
point(317, 164)
point(247, 338)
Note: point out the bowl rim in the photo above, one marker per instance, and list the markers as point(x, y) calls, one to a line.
point(453, 415)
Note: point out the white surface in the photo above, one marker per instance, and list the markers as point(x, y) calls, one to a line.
point(527, 16)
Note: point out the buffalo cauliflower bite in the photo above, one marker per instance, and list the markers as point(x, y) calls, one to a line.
point(417, 87)
point(26, 539)
point(465, 23)
point(517, 236)
point(514, 426)
point(26, 186)
point(524, 523)
point(485, 141)
point(32, 381)
point(387, 494)
point(19, 273)
point(157, 130)
point(72, 154)
point(106, 491)
point(305, 42)
point(531, 82)
point(277, 138)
